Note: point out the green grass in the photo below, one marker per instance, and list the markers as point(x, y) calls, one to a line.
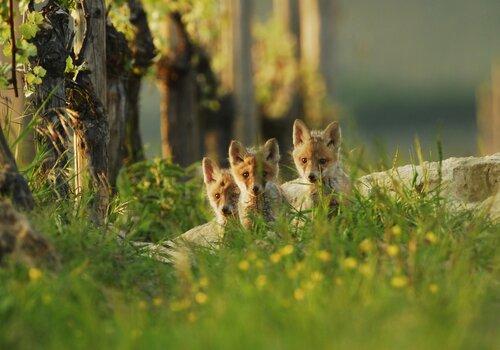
point(381, 273)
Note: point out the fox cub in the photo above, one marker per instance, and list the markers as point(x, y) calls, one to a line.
point(316, 154)
point(223, 194)
point(255, 171)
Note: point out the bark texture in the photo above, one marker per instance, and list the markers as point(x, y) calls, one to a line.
point(117, 56)
point(90, 126)
point(143, 51)
point(93, 54)
point(12, 184)
point(19, 241)
point(246, 123)
point(180, 124)
point(287, 14)
point(86, 101)
point(53, 42)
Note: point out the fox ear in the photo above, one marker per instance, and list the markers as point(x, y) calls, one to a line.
point(210, 170)
point(301, 132)
point(272, 151)
point(237, 152)
point(332, 135)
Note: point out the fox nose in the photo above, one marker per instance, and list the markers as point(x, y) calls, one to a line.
point(312, 178)
point(226, 210)
point(256, 189)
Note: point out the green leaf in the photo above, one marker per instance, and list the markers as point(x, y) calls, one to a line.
point(39, 71)
point(7, 50)
point(28, 30)
point(69, 65)
point(35, 18)
point(28, 49)
point(30, 78)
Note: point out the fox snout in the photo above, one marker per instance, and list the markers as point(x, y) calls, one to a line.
point(312, 177)
point(256, 189)
point(227, 210)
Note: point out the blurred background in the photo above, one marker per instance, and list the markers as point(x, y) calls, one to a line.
point(390, 70)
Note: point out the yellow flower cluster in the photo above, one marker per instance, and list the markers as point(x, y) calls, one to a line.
point(399, 281)
point(323, 255)
point(350, 263)
point(35, 274)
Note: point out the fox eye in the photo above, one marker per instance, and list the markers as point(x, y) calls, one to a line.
point(304, 160)
point(322, 161)
point(217, 196)
point(245, 174)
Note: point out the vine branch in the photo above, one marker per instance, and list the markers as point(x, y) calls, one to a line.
point(14, 48)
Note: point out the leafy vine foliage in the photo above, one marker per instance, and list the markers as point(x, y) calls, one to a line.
point(25, 49)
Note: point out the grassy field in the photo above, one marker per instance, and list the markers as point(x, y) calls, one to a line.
point(380, 273)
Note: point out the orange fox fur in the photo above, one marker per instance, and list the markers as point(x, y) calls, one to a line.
point(255, 171)
point(316, 154)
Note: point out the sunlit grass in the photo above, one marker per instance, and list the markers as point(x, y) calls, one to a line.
point(379, 273)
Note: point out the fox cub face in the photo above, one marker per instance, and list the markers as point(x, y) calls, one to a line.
point(222, 191)
point(252, 169)
point(315, 152)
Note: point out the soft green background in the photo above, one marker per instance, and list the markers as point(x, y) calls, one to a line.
point(405, 69)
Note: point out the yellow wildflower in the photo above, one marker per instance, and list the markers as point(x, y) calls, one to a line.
point(181, 304)
point(261, 281)
point(275, 258)
point(244, 265)
point(157, 301)
point(201, 298)
point(366, 245)
point(260, 264)
point(35, 274)
point(396, 230)
point(203, 282)
point(192, 317)
point(392, 250)
point(399, 281)
point(324, 255)
point(350, 263)
point(366, 270)
point(433, 288)
point(431, 237)
point(251, 256)
point(298, 294)
point(286, 250)
point(308, 285)
point(317, 276)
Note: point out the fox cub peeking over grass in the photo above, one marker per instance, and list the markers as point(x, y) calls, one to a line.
point(316, 154)
point(223, 194)
point(222, 191)
point(255, 171)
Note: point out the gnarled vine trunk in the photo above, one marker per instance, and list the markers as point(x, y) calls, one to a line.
point(86, 99)
point(180, 125)
point(12, 184)
point(246, 122)
point(143, 52)
point(53, 41)
point(117, 56)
